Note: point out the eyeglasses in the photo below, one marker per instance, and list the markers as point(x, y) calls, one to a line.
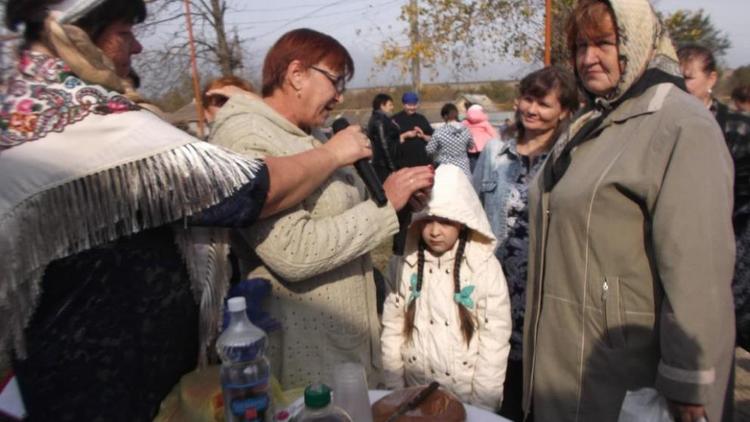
point(217, 100)
point(339, 83)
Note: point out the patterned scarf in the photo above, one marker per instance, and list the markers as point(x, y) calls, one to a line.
point(45, 96)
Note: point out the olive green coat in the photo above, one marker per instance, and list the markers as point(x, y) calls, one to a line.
point(630, 265)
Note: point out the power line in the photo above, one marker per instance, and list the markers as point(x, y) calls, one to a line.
point(291, 21)
point(343, 12)
point(277, 9)
point(367, 17)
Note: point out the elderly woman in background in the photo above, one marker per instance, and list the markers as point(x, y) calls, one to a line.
point(699, 68)
point(96, 298)
point(217, 93)
point(317, 253)
point(700, 71)
point(504, 170)
point(631, 243)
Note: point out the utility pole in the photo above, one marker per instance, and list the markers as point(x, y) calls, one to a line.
point(196, 77)
point(548, 33)
point(416, 78)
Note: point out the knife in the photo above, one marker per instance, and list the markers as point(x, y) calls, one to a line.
point(413, 403)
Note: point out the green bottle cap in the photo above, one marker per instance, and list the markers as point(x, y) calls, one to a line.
point(317, 396)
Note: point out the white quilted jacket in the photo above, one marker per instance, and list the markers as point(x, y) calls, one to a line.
point(437, 350)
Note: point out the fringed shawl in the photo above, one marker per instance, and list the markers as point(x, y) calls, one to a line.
point(92, 181)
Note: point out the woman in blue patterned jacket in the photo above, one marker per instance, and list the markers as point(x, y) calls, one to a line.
point(547, 99)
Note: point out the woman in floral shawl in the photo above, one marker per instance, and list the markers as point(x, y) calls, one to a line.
point(95, 302)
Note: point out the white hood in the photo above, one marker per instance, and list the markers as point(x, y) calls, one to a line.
point(454, 198)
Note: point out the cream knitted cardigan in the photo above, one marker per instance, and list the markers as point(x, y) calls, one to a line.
point(315, 254)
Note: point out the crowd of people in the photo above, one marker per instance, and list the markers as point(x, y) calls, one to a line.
point(541, 271)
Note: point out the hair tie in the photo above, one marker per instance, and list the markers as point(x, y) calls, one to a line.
point(415, 293)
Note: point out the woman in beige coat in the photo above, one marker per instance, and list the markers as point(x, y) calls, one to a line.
point(316, 254)
point(631, 236)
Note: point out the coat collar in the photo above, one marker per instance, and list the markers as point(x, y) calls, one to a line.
point(258, 107)
point(650, 102)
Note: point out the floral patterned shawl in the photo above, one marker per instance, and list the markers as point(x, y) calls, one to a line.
point(45, 96)
point(82, 165)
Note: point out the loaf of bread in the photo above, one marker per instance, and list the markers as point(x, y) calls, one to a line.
point(440, 406)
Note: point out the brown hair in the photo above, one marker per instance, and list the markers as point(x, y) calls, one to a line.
point(588, 20)
point(309, 47)
point(690, 52)
point(467, 320)
point(741, 93)
point(226, 81)
point(552, 78)
point(548, 79)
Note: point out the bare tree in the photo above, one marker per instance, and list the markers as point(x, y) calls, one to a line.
point(219, 50)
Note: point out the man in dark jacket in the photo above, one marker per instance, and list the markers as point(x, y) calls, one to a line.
point(417, 130)
point(385, 136)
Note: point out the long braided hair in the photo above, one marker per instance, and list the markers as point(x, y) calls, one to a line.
point(465, 316)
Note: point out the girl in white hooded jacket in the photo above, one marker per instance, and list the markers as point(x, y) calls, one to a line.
point(447, 315)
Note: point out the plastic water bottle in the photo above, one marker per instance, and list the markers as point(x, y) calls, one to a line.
point(318, 407)
point(245, 370)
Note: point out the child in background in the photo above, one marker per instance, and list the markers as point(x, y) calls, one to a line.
point(481, 131)
point(451, 142)
point(447, 316)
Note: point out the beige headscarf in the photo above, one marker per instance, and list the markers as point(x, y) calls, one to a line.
point(73, 45)
point(643, 45)
point(643, 42)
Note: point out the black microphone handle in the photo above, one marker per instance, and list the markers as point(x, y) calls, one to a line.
point(368, 175)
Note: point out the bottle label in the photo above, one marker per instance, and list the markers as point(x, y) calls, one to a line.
point(248, 402)
point(243, 353)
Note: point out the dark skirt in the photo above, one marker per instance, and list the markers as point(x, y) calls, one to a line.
point(117, 325)
point(115, 329)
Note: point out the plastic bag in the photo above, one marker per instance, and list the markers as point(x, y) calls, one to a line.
point(644, 405)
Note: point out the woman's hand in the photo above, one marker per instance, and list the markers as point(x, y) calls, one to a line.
point(348, 146)
point(684, 412)
point(401, 185)
point(419, 200)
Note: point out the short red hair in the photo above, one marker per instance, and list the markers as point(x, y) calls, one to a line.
point(309, 47)
point(226, 81)
point(589, 20)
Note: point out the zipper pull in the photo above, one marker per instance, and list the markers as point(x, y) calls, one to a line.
point(605, 290)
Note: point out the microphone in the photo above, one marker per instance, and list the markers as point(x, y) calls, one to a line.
point(367, 174)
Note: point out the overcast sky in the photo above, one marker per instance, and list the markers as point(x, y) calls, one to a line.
point(361, 25)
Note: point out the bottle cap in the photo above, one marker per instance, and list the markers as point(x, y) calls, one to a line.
point(317, 396)
point(236, 304)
